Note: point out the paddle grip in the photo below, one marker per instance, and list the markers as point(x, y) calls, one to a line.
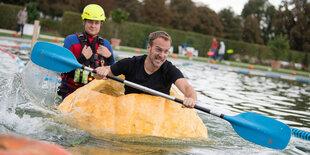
point(203, 109)
point(89, 69)
point(108, 76)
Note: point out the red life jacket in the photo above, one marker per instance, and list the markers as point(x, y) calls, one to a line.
point(78, 78)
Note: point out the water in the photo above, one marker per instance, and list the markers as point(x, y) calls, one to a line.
point(25, 112)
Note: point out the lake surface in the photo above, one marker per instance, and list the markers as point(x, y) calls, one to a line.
point(220, 90)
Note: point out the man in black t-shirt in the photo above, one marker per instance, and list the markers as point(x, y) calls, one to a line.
point(153, 70)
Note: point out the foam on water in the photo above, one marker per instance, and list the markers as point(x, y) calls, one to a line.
point(41, 84)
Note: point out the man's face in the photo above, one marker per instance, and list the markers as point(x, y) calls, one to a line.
point(158, 52)
point(92, 27)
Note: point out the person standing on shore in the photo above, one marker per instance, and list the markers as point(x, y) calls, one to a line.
point(21, 20)
point(214, 48)
point(221, 50)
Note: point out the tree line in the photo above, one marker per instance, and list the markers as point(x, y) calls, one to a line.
point(259, 21)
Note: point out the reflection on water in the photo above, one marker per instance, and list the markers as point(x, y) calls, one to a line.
point(284, 100)
point(220, 90)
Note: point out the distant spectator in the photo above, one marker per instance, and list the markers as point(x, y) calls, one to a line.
point(185, 45)
point(221, 50)
point(21, 20)
point(214, 48)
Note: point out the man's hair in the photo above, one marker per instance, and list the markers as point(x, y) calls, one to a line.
point(159, 34)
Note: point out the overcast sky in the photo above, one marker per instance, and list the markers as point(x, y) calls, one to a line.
point(236, 5)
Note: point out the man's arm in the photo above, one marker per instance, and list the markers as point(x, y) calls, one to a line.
point(188, 91)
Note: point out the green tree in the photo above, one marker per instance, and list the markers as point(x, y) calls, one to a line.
point(279, 46)
point(299, 34)
point(251, 31)
point(267, 28)
point(33, 13)
point(292, 19)
point(133, 7)
point(156, 12)
point(254, 7)
point(208, 22)
point(183, 14)
point(284, 20)
point(264, 13)
point(15, 2)
point(232, 28)
point(55, 8)
point(118, 16)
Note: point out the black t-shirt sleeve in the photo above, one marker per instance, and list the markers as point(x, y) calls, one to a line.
point(173, 73)
point(122, 67)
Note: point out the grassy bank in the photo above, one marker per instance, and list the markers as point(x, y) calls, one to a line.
point(230, 63)
point(199, 59)
point(27, 37)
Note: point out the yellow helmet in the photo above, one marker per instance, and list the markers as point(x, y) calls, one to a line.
point(93, 12)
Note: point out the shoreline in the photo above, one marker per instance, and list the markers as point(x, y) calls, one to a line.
point(226, 65)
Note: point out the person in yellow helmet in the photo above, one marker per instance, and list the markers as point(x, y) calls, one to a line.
point(89, 48)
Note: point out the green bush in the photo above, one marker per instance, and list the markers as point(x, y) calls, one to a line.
point(71, 23)
point(33, 13)
point(8, 15)
point(118, 16)
point(199, 41)
point(50, 25)
point(306, 62)
point(279, 46)
point(135, 35)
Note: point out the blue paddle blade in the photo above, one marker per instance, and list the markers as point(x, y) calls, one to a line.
point(53, 57)
point(261, 130)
